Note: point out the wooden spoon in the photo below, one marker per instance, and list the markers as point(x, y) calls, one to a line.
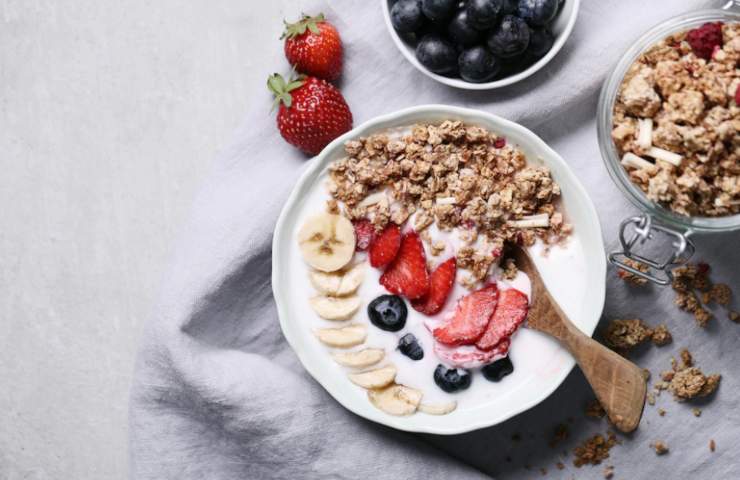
point(618, 383)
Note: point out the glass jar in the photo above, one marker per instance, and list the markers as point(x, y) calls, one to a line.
point(655, 218)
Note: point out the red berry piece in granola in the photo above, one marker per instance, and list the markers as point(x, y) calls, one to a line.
point(471, 317)
point(500, 142)
point(385, 246)
point(407, 274)
point(470, 356)
point(705, 39)
point(364, 233)
point(510, 312)
point(737, 95)
point(440, 285)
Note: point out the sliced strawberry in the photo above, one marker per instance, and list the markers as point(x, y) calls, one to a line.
point(511, 311)
point(384, 247)
point(470, 319)
point(364, 233)
point(470, 356)
point(407, 274)
point(440, 286)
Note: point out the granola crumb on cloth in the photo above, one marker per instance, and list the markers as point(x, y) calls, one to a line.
point(712, 445)
point(686, 381)
point(608, 471)
point(683, 106)
point(660, 447)
point(625, 335)
point(696, 412)
point(594, 449)
point(661, 336)
point(594, 409)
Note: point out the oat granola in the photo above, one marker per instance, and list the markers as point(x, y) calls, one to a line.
point(676, 124)
point(594, 449)
point(454, 176)
point(686, 381)
point(625, 335)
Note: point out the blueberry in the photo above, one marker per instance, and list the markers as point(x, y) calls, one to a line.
point(437, 10)
point(477, 64)
point(461, 32)
point(452, 379)
point(409, 346)
point(388, 312)
point(537, 12)
point(540, 42)
point(483, 14)
point(497, 370)
point(510, 39)
point(437, 54)
point(406, 16)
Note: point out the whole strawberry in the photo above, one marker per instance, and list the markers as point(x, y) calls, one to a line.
point(705, 39)
point(312, 112)
point(313, 47)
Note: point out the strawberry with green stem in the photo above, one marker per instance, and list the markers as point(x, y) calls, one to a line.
point(313, 47)
point(311, 111)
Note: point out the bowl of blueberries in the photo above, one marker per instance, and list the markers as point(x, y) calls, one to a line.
point(479, 44)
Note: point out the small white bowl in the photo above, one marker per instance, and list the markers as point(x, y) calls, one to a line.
point(561, 28)
point(545, 363)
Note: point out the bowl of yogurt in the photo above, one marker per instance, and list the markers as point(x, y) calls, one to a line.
point(420, 324)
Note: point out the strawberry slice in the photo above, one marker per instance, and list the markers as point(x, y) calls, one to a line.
point(470, 356)
point(407, 274)
point(384, 247)
point(470, 319)
point(440, 286)
point(364, 233)
point(511, 311)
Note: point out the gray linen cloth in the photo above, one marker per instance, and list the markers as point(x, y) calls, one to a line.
point(218, 394)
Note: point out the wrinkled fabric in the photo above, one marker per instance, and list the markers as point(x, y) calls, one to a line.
point(218, 393)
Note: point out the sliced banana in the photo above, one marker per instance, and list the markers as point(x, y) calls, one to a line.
point(344, 337)
point(327, 241)
point(438, 408)
point(338, 284)
point(396, 400)
point(361, 359)
point(335, 308)
point(378, 378)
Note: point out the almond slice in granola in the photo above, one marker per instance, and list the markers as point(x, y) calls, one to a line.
point(632, 160)
point(373, 199)
point(665, 155)
point(645, 133)
point(541, 220)
point(446, 200)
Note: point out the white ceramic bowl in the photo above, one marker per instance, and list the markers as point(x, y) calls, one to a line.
point(547, 363)
point(561, 28)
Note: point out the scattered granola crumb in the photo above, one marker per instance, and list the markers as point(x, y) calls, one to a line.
point(626, 334)
point(560, 434)
point(661, 336)
point(560, 466)
point(720, 293)
point(661, 412)
point(594, 449)
point(608, 471)
point(594, 409)
point(660, 447)
point(650, 398)
point(734, 316)
point(688, 381)
point(646, 374)
point(712, 445)
point(630, 277)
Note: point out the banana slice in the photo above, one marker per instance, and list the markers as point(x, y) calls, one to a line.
point(344, 337)
point(338, 284)
point(363, 358)
point(327, 241)
point(379, 378)
point(396, 400)
point(335, 308)
point(438, 408)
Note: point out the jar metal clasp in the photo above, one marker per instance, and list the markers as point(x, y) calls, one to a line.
point(635, 235)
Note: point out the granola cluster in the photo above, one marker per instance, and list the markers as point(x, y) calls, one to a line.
point(624, 335)
point(455, 176)
point(686, 381)
point(694, 290)
point(676, 123)
point(594, 449)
